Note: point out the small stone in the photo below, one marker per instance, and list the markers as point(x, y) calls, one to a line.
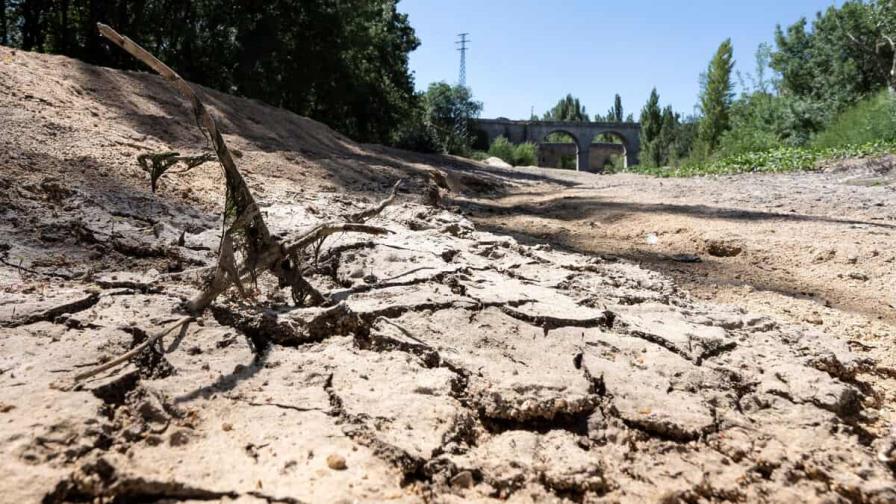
point(723, 248)
point(825, 255)
point(226, 427)
point(179, 438)
point(813, 318)
point(336, 462)
point(686, 258)
point(463, 479)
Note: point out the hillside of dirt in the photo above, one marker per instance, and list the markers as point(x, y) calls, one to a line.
point(540, 337)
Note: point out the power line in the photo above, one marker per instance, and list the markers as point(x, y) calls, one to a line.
point(462, 75)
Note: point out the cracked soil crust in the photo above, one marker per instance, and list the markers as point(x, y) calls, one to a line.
point(461, 364)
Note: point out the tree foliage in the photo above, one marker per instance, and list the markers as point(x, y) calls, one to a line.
point(524, 154)
point(665, 139)
point(616, 113)
point(567, 109)
point(448, 114)
point(342, 62)
point(716, 97)
point(651, 126)
point(870, 120)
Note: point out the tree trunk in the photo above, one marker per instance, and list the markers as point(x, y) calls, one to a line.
point(32, 31)
point(4, 37)
point(64, 29)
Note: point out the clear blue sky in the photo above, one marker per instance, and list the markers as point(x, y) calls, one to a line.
point(527, 53)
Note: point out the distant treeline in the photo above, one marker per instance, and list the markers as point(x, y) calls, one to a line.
point(343, 62)
point(824, 84)
point(820, 85)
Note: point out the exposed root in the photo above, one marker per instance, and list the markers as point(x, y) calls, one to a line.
point(548, 323)
point(51, 313)
point(366, 214)
point(182, 323)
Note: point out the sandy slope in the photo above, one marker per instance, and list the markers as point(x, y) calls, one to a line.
point(459, 365)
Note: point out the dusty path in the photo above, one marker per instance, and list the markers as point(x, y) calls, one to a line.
point(459, 364)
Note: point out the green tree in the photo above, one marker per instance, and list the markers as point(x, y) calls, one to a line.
point(716, 97)
point(882, 14)
point(344, 62)
point(665, 142)
point(4, 32)
point(843, 56)
point(615, 114)
point(762, 119)
point(567, 109)
point(449, 111)
point(525, 154)
point(651, 126)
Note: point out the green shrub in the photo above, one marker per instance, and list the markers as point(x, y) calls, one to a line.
point(870, 120)
point(417, 135)
point(479, 155)
point(502, 148)
point(781, 159)
point(525, 154)
point(761, 121)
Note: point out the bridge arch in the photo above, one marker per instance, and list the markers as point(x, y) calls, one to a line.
point(559, 148)
point(583, 133)
point(608, 148)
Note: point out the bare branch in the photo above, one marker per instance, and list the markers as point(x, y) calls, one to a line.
point(133, 352)
point(239, 199)
point(323, 230)
point(375, 210)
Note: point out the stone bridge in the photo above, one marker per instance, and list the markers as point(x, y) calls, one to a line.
point(629, 133)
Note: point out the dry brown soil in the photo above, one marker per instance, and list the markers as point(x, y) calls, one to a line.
point(542, 337)
point(815, 249)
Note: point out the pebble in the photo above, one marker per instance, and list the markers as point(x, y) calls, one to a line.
point(336, 462)
point(463, 479)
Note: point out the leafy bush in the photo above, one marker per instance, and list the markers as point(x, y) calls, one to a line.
point(870, 120)
point(502, 148)
point(761, 121)
point(778, 160)
point(416, 133)
point(525, 154)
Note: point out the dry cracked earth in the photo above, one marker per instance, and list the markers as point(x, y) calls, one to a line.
point(457, 365)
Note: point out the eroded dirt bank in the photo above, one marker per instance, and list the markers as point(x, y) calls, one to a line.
point(461, 364)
